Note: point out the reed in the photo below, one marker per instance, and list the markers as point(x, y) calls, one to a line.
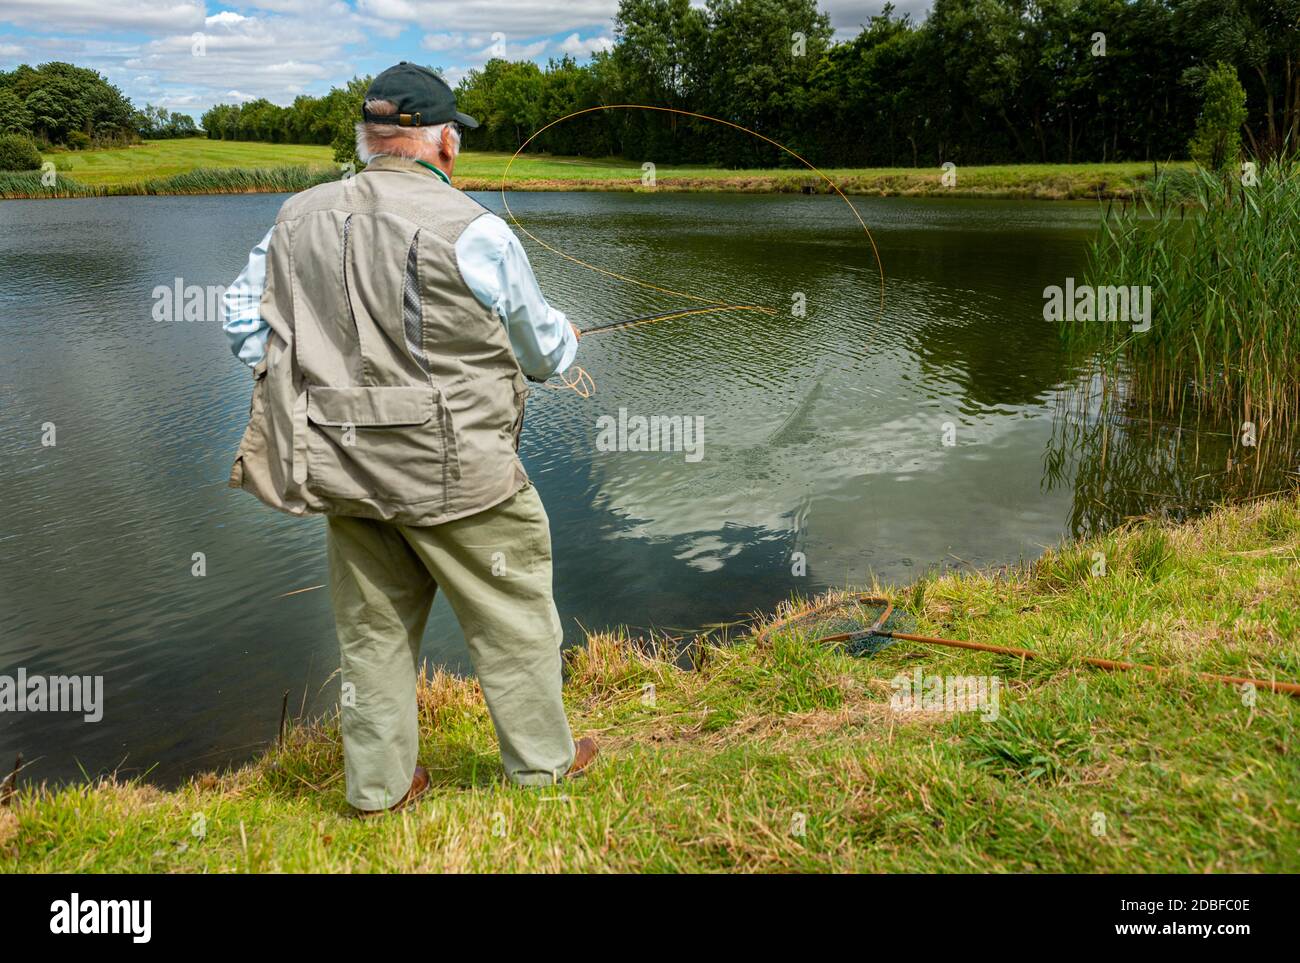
point(204, 180)
point(235, 180)
point(16, 185)
point(1220, 259)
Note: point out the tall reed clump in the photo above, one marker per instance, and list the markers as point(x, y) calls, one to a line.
point(1222, 260)
point(211, 180)
point(16, 185)
point(236, 180)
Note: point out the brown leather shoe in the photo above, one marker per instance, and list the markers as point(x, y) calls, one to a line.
point(583, 756)
point(419, 785)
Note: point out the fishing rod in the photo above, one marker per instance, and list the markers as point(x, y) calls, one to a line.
point(877, 630)
point(582, 383)
point(505, 200)
point(669, 315)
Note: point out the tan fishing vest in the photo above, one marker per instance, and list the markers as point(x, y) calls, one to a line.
point(388, 391)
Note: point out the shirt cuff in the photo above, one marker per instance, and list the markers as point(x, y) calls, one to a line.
point(570, 348)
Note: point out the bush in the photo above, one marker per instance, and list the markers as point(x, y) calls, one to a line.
point(1217, 141)
point(78, 140)
point(18, 153)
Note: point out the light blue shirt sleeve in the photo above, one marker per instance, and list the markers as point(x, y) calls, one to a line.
point(241, 318)
point(495, 267)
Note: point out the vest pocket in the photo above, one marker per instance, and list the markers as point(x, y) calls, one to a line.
point(391, 444)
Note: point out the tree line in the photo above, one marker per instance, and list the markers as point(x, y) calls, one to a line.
point(308, 120)
point(976, 81)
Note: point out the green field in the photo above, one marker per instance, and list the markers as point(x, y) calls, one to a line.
point(233, 166)
point(778, 753)
point(483, 171)
point(166, 158)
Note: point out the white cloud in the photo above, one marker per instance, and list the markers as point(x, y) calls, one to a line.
point(83, 15)
point(575, 47)
point(306, 49)
point(443, 41)
point(510, 51)
point(537, 17)
point(391, 9)
point(481, 47)
point(273, 57)
point(519, 17)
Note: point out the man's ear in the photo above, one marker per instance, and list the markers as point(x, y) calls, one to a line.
point(447, 145)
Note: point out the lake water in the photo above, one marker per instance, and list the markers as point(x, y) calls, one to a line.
point(867, 444)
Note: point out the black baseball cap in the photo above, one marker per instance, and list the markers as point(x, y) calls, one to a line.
point(422, 98)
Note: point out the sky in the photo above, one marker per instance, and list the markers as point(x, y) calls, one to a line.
point(187, 55)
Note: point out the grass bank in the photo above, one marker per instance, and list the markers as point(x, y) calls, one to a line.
point(778, 754)
point(196, 166)
point(1010, 181)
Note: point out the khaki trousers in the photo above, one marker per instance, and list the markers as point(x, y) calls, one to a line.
point(495, 569)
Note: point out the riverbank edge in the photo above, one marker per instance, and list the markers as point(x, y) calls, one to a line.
point(775, 753)
point(903, 184)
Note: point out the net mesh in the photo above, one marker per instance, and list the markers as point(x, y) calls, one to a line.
point(850, 616)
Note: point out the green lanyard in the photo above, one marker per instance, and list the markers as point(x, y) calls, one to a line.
point(443, 177)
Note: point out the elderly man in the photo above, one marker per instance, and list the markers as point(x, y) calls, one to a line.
point(390, 322)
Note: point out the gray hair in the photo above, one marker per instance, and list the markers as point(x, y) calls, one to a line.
point(412, 142)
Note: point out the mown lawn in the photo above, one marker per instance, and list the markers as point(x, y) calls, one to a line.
point(164, 158)
point(778, 753)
